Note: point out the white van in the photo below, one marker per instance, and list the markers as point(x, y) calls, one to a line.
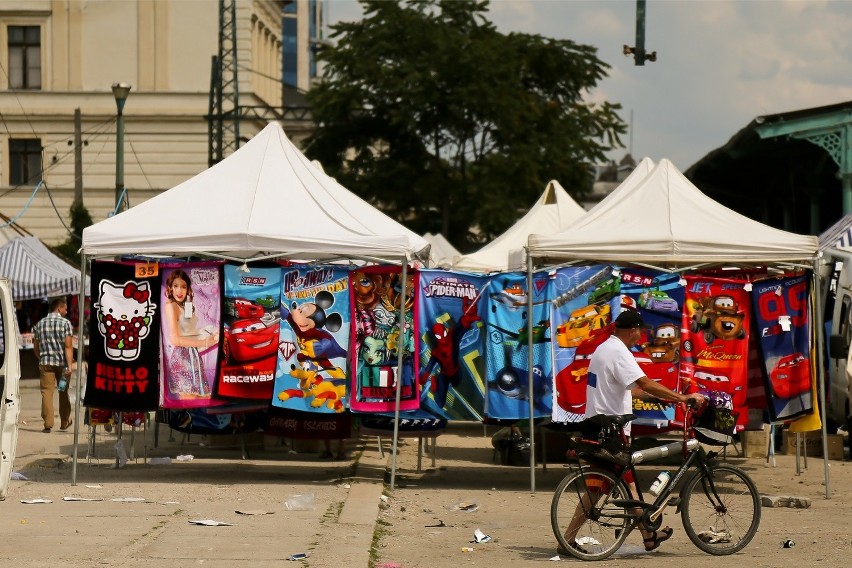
point(10, 374)
point(839, 339)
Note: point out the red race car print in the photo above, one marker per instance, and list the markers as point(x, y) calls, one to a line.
point(791, 376)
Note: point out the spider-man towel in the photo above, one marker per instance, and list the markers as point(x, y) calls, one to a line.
point(450, 329)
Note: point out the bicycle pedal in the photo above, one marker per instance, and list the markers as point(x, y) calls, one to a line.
point(673, 502)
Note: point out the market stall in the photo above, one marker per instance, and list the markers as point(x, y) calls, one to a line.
point(552, 212)
point(666, 224)
point(265, 202)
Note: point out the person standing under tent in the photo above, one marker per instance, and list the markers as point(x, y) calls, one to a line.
point(183, 340)
point(614, 379)
point(52, 346)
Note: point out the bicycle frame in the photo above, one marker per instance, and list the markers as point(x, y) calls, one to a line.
point(695, 458)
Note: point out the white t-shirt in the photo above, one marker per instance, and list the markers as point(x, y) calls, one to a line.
point(613, 372)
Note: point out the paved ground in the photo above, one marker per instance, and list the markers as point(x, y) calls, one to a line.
point(214, 485)
point(351, 524)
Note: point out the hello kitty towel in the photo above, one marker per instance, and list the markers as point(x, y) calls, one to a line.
point(124, 334)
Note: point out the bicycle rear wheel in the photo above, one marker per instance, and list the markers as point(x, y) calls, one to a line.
point(720, 517)
point(601, 527)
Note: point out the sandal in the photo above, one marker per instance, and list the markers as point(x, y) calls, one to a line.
point(562, 552)
point(661, 536)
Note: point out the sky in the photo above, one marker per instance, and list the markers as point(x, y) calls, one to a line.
point(720, 63)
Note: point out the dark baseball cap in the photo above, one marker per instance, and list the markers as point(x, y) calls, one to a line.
point(628, 319)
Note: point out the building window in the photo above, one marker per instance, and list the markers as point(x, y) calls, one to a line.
point(24, 57)
point(290, 52)
point(24, 162)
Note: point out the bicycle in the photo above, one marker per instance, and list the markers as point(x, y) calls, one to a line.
point(718, 502)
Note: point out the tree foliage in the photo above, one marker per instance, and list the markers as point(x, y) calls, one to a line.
point(80, 219)
point(446, 124)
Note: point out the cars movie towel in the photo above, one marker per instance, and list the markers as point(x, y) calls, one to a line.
point(505, 305)
point(782, 311)
point(191, 300)
point(658, 297)
point(714, 355)
point(252, 318)
point(311, 374)
point(375, 341)
point(581, 306)
point(124, 337)
point(450, 329)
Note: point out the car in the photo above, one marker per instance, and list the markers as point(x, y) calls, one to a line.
point(245, 309)
point(581, 323)
point(657, 300)
point(710, 381)
point(251, 339)
point(267, 302)
point(665, 345)
point(791, 376)
point(719, 317)
point(605, 291)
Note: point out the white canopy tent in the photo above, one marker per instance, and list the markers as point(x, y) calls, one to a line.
point(266, 200)
point(553, 211)
point(665, 221)
point(442, 253)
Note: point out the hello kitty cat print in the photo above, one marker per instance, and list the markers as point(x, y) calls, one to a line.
point(124, 338)
point(124, 313)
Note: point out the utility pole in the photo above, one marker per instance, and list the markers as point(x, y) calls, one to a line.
point(640, 56)
point(78, 159)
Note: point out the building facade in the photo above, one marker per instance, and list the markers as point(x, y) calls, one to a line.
point(60, 55)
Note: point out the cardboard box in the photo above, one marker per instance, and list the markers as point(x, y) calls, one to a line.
point(755, 443)
point(813, 443)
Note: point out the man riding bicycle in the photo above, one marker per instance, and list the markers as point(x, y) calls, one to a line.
point(614, 378)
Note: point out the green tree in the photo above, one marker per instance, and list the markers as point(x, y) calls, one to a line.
point(80, 219)
point(446, 124)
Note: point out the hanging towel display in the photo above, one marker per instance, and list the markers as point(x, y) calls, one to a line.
point(782, 311)
point(191, 297)
point(581, 310)
point(450, 329)
point(124, 333)
point(311, 372)
point(507, 347)
point(250, 336)
point(659, 298)
point(715, 351)
point(375, 340)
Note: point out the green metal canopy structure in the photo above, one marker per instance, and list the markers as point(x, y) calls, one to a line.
point(791, 170)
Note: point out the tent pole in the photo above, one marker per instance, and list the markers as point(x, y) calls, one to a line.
point(399, 371)
point(81, 311)
point(530, 365)
point(820, 372)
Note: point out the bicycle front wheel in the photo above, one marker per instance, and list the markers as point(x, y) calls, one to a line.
point(585, 521)
point(720, 511)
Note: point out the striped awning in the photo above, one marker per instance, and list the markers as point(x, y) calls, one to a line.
point(838, 236)
point(35, 272)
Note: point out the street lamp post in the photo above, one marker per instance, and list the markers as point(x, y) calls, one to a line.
point(120, 91)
